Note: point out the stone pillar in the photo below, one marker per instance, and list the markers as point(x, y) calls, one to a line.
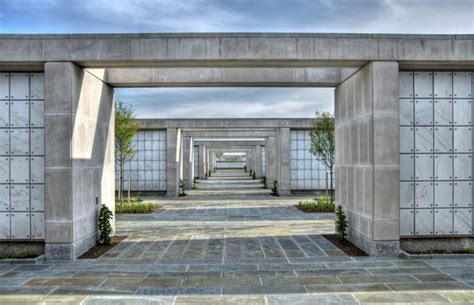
point(202, 162)
point(284, 143)
point(271, 162)
point(367, 157)
point(79, 157)
point(187, 162)
point(172, 162)
point(258, 161)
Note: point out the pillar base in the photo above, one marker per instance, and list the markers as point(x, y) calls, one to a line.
point(374, 247)
point(69, 251)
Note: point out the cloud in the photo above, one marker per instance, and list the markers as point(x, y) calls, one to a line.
point(227, 102)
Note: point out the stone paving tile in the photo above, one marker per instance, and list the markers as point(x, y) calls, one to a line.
point(325, 272)
point(263, 290)
point(435, 277)
point(215, 282)
point(303, 266)
point(458, 296)
point(32, 267)
point(400, 298)
point(153, 268)
point(259, 273)
point(222, 267)
point(336, 299)
point(30, 274)
point(110, 274)
point(346, 288)
point(427, 286)
point(402, 270)
point(87, 282)
point(167, 274)
point(15, 290)
point(357, 265)
point(178, 290)
point(211, 300)
point(130, 300)
point(301, 281)
point(355, 279)
point(84, 291)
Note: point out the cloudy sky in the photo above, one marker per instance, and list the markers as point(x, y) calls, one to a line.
point(120, 16)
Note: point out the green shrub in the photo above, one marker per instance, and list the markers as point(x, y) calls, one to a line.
point(275, 188)
point(264, 181)
point(209, 173)
point(316, 206)
point(254, 176)
point(245, 168)
point(341, 222)
point(104, 226)
point(181, 188)
point(136, 207)
point(250, 173)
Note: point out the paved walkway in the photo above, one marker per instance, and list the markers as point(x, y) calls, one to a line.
point(216, 246)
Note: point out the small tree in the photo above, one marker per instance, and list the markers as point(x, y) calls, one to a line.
point(275, 188)
point(125, 129)
point(323, 144)
point(104, 226)
point(341, 222)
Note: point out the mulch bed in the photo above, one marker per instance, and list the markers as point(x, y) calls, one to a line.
point(98, 250)
point(467, 251)
point(302, 209)
point(345, 246)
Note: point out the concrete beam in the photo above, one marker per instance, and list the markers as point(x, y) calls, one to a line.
point(235, 49)
point(227, 77)
point(199, 124)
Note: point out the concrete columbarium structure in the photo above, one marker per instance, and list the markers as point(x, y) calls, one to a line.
point(388, 190)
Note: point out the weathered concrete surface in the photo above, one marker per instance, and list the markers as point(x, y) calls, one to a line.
point(172, 162)
point(367, 157)
point(79, 158)
point(235, 49)
point(226, 77)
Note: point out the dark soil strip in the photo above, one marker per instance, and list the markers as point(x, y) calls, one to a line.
point(98, 250)
point(345, 246)
point(439, 251)
point(306, 210)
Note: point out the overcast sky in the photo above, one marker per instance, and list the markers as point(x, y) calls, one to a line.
point(119, 16)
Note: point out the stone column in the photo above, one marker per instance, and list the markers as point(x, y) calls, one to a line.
point(187, 162)
point(271, 162)
point(284, 143)
point(258, 161)
point(79, 157)
point(172, 162)
point(367, 157)
point(202, 162)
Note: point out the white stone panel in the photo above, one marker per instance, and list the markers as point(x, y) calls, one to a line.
point(406, 84)
point(4, 113)
point(462, 221)
point(20, 169)
point(37, 142)
point(462, 139)
point(423, 84)
point(37, 86)
point(37, 225)
point(462, 84)
point(19, 114)
point(20, 225)
point(4, 198)
point(443, 84)
point(37, 113)
point(424, 192)
point(443, 222)
point(407, 140)
point(4, 169)
point(462, 112)
point(20, 198)
point(443, 196)
point(19, 86)
point(4, 225)
point(424, 139)
point(424, 222)
point(407, 195)
point(4, 86)
point(443, 139)
point(4, 142)
point(37, 197)
point(19, 142)
point(462, 194)
point(424, 167)
point(37, 169)
point(407, 163)
point(443, 167)
point(462, 167)
point(423, 112)
point(443, 112)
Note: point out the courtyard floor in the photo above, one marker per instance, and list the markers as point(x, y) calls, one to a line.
point(235, 244)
